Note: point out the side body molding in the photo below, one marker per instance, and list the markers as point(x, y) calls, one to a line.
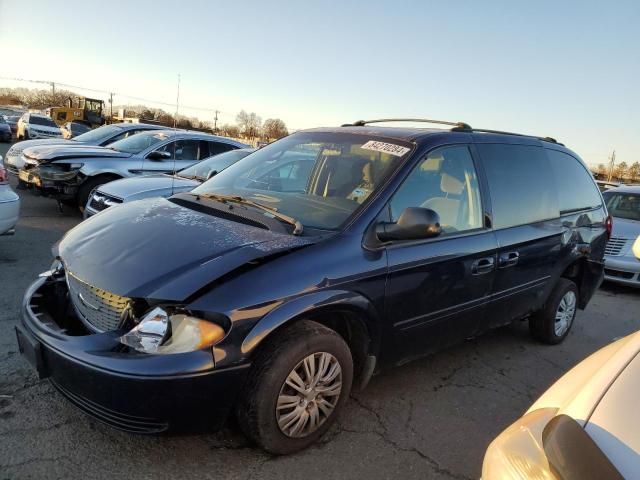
point(316, 302)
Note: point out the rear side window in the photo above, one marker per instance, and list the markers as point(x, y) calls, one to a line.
point(521, 182)
point(577, 190)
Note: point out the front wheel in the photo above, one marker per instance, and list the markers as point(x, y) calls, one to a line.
point(552, 324)
point(298, 384)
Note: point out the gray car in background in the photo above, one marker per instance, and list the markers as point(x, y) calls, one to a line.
point(5, 130)
point(100, 136)
point(622, 254)
point(70, 173)
point(137, 188)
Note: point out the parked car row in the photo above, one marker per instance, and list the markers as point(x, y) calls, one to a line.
point(9, 204)
point(69, 173)
point(272, 288)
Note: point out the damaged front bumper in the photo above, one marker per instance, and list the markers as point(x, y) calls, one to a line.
point(52, 180)
point(131, 391)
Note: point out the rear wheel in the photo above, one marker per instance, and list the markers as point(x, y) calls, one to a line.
point(299, 383)
point(552, 324)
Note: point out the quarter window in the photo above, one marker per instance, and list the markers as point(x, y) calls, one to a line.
point(219, 147)
point(577, 190)
point(446, 182)
point(521, 182)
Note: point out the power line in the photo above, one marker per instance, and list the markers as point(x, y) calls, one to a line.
point(215, 111)
point(111, 94)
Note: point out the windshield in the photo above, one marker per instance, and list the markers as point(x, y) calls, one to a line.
point(623, 205)
point(318, 178)
point(46, 121)
point(139, 142)
point(99, 135)
point(216, 163)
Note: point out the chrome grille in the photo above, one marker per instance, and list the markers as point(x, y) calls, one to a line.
point(615, 245)
point(100, 201)
point(100, 310)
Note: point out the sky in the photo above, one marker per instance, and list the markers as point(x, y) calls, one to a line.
point(567, 69)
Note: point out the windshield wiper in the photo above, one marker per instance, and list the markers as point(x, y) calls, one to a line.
point(273, 211)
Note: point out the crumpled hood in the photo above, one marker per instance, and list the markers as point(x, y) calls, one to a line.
point(156, 249)
point(149, 186)
point(48, 153)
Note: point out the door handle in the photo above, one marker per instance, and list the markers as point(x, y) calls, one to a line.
point(482, 265)
point(509, 259)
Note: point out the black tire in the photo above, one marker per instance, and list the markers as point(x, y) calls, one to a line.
point(256, 410)
point(542, 324)
point(26, 135)
point(87, 187)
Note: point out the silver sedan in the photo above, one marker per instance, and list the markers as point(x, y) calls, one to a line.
point(622, 255)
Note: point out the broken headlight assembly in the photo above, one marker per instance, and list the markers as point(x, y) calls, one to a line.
point(167, 330)
point(60, 171)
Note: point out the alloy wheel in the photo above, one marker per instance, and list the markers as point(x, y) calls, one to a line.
point(309, 395)
point(565, 313)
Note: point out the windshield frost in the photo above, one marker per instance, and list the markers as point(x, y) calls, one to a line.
point(139, 142)
point(97, 136)
point(317, 178)
point(216, 163)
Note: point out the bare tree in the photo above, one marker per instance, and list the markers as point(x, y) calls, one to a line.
point(249, 123)
point(620, 172)
point(274, 128)
point(230, 130)
point(634, 172)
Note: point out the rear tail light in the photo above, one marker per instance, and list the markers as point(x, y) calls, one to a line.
point(3, 176)
point(609, 226)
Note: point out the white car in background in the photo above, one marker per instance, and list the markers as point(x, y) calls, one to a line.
point(34, 125)
point(586, 426)
point(9, 204)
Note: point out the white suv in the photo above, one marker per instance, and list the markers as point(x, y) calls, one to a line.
point(32, 125)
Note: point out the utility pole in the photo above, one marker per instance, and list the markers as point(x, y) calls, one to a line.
point(611, 164)
point(53, 88)
point(215, 122)
point(111, 104)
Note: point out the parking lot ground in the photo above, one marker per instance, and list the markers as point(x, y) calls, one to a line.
point(432, 418)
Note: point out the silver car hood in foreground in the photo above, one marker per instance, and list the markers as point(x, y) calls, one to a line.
point(135, 188)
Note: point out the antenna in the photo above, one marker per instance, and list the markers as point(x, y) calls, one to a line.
point(175, 132)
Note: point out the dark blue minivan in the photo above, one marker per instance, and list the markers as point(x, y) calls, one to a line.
point(277, 285)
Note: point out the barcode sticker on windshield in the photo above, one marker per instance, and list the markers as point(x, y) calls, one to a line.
point(383, 147)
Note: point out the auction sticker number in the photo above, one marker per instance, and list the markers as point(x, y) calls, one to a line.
point(390, 148)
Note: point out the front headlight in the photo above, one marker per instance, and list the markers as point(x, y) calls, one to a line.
point(636, 248)
point(161, 332)
point(518, 452)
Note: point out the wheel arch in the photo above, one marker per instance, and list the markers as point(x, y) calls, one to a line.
point(350, 314)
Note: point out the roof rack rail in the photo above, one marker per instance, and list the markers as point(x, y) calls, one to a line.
point(362, 123)
point(500, 132)
point(457, 127)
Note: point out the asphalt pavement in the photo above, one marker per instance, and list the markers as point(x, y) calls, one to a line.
point(430, 419)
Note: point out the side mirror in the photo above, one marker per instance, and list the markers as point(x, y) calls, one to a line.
point(157, 155)
point(211, 174)
point(414, 223)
